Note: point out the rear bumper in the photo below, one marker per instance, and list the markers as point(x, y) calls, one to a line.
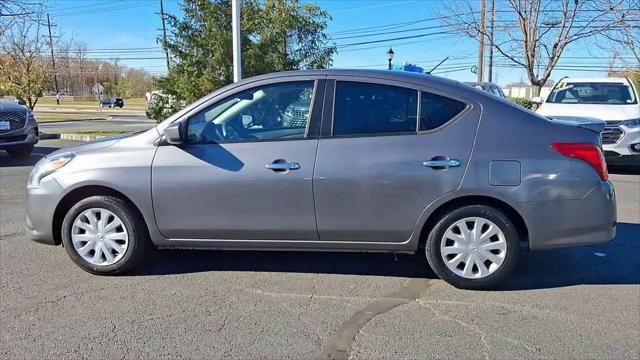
point(566, 223)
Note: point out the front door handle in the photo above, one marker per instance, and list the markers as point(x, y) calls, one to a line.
point(282, 166)
point(441, 164)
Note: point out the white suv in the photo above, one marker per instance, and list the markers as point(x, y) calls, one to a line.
point(614, 100)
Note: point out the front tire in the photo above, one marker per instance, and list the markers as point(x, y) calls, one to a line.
point(473, 247)
point(20, 152)
point(104, 235)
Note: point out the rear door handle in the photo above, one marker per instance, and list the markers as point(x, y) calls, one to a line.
point(283, 166)
point(441, 164)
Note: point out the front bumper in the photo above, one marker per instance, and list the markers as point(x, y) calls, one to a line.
point(41, 206)
point(624, 146)
point(566, 223)
point(24, 137)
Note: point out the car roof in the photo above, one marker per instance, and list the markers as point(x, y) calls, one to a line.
point(379, 74)
point(596, 80)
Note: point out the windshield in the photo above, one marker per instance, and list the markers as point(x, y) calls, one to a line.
point(593, 93)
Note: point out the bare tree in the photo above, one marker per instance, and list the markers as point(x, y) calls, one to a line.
point(12, 11)
point(626, 39)
point(23, 71)
point(533, 34)
point(80, 49)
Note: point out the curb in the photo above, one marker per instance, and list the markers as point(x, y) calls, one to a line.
point(44, 122)
point(80, 137)
point(72, 137)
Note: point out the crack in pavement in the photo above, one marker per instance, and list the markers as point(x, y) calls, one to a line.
point(429, 304)
point(339, 346)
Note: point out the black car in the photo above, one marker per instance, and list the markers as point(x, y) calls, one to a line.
point(18, 129)
point(112, 102)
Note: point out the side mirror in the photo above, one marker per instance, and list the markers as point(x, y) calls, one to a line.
point(173, 133)
point(536, 100)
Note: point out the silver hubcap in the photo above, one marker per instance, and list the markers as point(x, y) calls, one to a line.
point(473, 248)
point(99, 236)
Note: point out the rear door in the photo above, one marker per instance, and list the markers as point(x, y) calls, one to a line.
point(379, 163)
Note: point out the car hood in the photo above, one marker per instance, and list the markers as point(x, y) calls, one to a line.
point(93, 145)
point(606, 112)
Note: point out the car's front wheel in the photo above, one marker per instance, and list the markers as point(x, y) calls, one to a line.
point(20, 152)
point(104, 235)
point(473, 247)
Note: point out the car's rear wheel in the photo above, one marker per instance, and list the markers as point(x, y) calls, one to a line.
point(473, 247)
point(20, 152)
point(104, 235)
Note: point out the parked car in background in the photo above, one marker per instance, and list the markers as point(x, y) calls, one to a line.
point(489, 87)
point(341, 160)
point(112, 102)
point(614, 100)
point(18, 129)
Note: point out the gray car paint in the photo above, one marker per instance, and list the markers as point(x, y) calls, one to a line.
point(371, 193)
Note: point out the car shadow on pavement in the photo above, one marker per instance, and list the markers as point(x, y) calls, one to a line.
point(624, 170)
point(616, 262)
point(38, 153)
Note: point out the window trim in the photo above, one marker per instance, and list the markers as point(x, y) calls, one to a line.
point(317, 81)
point(396, 133)
point(328, 117)
point(467, 108)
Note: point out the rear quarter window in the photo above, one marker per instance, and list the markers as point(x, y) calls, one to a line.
point(437, 110)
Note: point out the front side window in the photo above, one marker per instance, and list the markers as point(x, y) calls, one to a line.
point(436, 110)
point(270, 112)
point(365, 108)
point(592, 93)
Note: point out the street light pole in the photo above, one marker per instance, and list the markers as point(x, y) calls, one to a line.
point(390, 54)
point(235, 28)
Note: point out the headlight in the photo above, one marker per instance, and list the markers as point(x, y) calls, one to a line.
point(631, 123)
point(46, 167)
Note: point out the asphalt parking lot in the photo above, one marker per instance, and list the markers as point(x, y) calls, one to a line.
point(570, 303)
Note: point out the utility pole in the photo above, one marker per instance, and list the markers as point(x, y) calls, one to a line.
point(53, 61)
point(483, 13)
point(491, 21)
point(164, 35)
point(235, 29)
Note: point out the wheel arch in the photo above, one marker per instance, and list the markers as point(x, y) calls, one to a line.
point(84, 192)
point(508, 210)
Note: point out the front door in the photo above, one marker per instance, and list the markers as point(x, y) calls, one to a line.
point(378, 167)
point(245, 171)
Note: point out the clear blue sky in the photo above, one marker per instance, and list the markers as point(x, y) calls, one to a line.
point(120, 24)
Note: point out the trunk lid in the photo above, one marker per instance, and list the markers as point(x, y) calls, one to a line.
point(593, 124)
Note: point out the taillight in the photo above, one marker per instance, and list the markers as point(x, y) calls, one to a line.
point(588, 152)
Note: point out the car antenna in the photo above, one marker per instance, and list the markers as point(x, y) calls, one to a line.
point(435, 67)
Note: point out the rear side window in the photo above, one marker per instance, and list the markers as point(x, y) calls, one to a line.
point(436, 110)
point(365, 108)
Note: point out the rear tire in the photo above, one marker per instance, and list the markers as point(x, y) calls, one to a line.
point(117, 233)
point(20, 152)
point(492, 254)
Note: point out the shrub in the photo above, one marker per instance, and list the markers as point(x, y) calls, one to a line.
point(162, 106)
point(526, 103)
